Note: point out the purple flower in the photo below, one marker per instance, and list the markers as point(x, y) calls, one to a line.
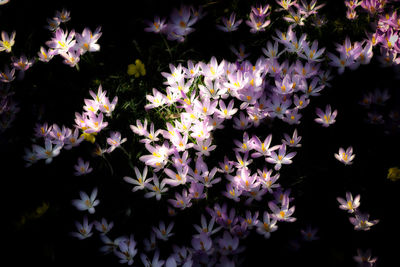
point(86, 41)
point(62, 41)
point(7, 75)
point(267, 226)
point(228, 243)
point(157, 25)
point(281, 157)
point(82, 167)
point(361, 221)
point(345, 156)
point(21, 63)
point(229, 25)
point(84, 229)
point(114, 141)
point(181, 201)
point(282, 213)
point(349, 204)
point(326, 118)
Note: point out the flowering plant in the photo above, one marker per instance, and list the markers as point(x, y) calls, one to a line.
point(197, 137)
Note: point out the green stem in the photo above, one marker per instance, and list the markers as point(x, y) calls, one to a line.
point(108, 164)
point(166, 44)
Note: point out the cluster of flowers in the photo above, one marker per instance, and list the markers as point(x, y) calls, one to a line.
point(209, 244)
point(259, 18)
point(8, 107)
point(70, 46)
point(90, 122)
point(385, 34)
point(200, 91)
point(298, 13)
point(62, 44)
point(179, 25)
point(360, 220)
point(205, 94)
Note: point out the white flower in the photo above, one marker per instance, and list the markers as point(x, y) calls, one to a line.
point(86, 202)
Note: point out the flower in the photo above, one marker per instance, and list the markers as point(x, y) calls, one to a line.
point(156, 188)
point(7, 41)
point(45, 55)
point(63, 15)
point(202, 243)
point(48, 152)
point(7, 75)
point(156, 262)
point(280, 158)
point(349, 204)
point(283, 213)
point(21, 63)
point(393, 174)
point(86, 202)
point(62, 41)
point(163, 233)
point(364, 258)
point(157, 25)
point(361, 221)
point(84, 229)
point(86, 41)
point(127, 250)
point(309, 234)
point(140, 182)
point(82, 167)
point(205, 227)
point(326, 118)
point(293, 141)
point(228, 243)
point(345, 156)
point(181, 201)
point(266, 226)
point(230, 24)
point(103, 226)
point(136, 69)
point(114, 141)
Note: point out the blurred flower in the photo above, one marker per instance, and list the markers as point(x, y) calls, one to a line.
point(103, 226)
point(45, 55)
point(309, 234)
point(230, 24)
point(63, 15)
point(7, 75)
point(157, 25)
point(84, 229)
point(393, 174)
point(21, 63)
point(82, 167)
point(136, 69)
point(163, 233)
point(364, 258)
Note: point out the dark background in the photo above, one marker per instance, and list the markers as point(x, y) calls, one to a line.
point(53, 92)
